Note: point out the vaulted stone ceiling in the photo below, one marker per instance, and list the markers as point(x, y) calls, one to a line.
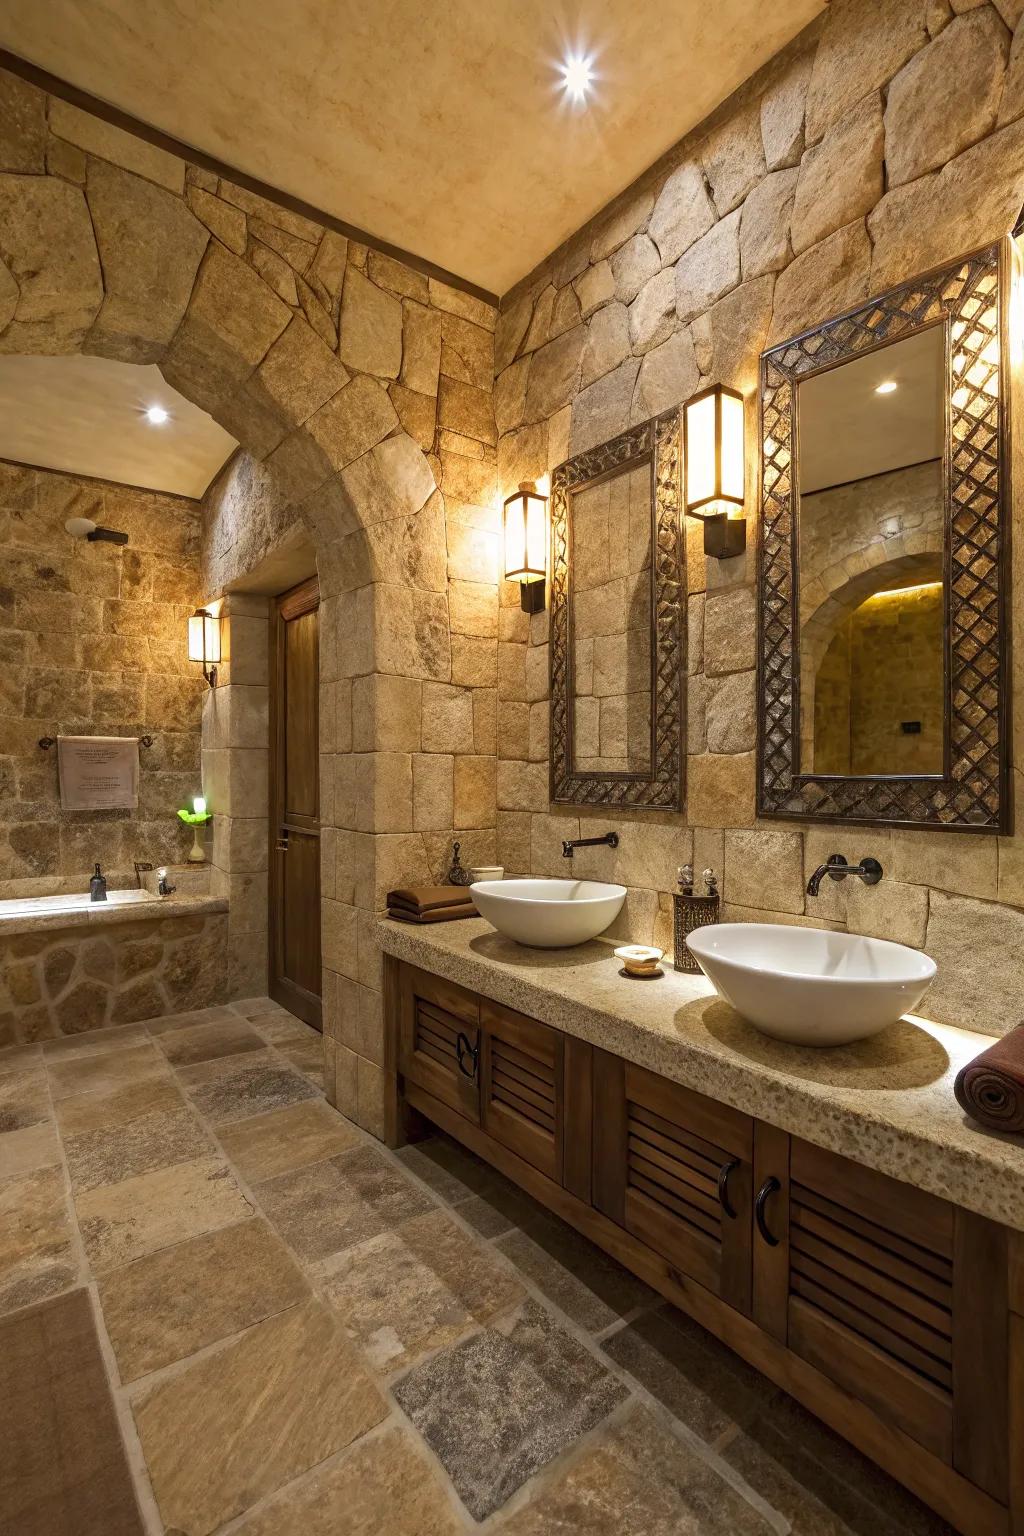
point(437, 127)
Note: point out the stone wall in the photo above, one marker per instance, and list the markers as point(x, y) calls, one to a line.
point(360, 391)
point(886, 140)
point(93, 642)
point(64, 981)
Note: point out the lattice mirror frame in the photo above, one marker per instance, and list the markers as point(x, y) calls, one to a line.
point(969, 299)
point(661, 788)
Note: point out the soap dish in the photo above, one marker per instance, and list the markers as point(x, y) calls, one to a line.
point(640, 961)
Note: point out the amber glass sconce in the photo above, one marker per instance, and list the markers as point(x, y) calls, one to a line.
point(204, 642)
point(713, 450)
point(526, 544)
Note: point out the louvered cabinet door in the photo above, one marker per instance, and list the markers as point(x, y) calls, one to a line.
point(871, 1290)
point(439, 1040)
point(521, 1086)
point(674, 1169)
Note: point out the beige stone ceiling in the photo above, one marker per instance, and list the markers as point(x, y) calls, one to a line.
point(86, 415)
point(437, 127)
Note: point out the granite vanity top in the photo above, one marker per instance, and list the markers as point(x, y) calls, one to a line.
point(886, 1102)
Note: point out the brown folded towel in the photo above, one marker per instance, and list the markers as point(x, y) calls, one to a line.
point(991, 1087)
point(424, 898)
point(438, 915)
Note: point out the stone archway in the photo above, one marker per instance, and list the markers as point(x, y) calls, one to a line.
point(273, 325)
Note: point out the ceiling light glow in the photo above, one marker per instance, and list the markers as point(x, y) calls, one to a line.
point(577, 76)
point(157, 415)
point(886, 388)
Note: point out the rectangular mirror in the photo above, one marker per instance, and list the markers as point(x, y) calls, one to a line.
point(616, 673)
point(882, 649)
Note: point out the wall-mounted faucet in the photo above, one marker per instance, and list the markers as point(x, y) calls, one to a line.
point(569, 845)
point(836, 867)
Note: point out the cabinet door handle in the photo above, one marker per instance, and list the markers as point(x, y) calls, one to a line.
point(464, 1049)
point(723, 1187)
point(768, 1188)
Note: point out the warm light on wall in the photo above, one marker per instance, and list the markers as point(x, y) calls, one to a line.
point(714, 460)
point(204, 642)
point(526, 543)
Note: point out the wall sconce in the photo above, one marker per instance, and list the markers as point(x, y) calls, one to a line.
point(526, 544)
point(204, 642)
point(713, 455)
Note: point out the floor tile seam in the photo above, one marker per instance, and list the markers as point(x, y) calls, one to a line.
point(83, 1268)
point(130, 1441)
point(176, 1162)
point(137, 1390)
point(728, 1474)
point(83, 1093)
point(624, 1320)
point(87, 1037)
point(391, 1421)
point(552, 1471)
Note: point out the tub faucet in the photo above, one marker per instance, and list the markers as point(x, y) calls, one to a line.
point(836, 867)
point(569, 845)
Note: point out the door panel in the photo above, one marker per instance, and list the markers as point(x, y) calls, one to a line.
point(871, 1290)
point(674, 1168)
point(439, 1040)
point(521, 1086)
point(295, 976)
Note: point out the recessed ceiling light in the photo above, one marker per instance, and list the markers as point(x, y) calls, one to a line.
point(886, 388)
point(157, 415)
point(577, 76)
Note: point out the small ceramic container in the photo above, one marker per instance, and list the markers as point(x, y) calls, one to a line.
point(488, 872)
point(640, 959)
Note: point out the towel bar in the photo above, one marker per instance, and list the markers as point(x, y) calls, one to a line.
point(46, 742)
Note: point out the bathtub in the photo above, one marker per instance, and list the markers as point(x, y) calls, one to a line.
point(44, 906)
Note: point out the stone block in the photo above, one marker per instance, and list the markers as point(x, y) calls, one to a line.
point(300, 374)
point(720, 790)
point(632, 265)
point(888, 911)
point(22, 126)
point(765, 223)
point(522, 786)
point(682, 213)
point(965, 864)
point(652, 312)
point(432, 792)
point(396, 277)
point(977, 947)
point(447, 719)
point(594, 287)
point(629, 214)
point(150, 247)
point(554, 374)
point(352, 421)
point(475, 792)
point(831, 277)
point(730, 629)
point(731, 713)
point(764, 868)
point(474, 661)
point(510, 395)
point(733, 158)
point(230, 325)
point(607, 342)
point(456, 302)
point(947, 97)
point(466, 409)
point(709, 268)
point(467, 352)
point(510, 330)
point(370, 331)
point(841, 178)
point(50, 251)
point(730, 336)
point(668, 376)
point(782, 115)
point(602, 409)
point(411, 636)
point(220, 218)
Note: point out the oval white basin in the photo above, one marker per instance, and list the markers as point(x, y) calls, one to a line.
point(808, 985)
point(548, 914)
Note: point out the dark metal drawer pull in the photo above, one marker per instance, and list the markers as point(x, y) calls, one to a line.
point(463, 1049)
point(768, 1188)
point(723, 1187)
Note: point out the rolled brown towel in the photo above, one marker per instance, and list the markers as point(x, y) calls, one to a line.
point(991, 1087)
point(437, 915)
point(425, 898)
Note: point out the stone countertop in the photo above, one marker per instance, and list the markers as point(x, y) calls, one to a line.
point(886, 1102)
point(102, 915)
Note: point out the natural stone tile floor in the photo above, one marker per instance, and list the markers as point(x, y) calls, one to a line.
point(310, 1335)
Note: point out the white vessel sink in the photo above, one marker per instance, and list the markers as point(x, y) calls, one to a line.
point(548, 914)
point(808, 985)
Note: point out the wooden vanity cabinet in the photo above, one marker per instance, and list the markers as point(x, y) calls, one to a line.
point(895, 1316)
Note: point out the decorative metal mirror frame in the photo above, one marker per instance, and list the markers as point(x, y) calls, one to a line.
point(968, 298)
point(657, 442)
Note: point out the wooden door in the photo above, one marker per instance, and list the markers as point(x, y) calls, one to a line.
point(295, 803)
point(439, 1039)
point(674, 1169)
point(521, 1090)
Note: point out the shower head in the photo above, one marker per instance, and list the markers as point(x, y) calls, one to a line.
point(85, 528)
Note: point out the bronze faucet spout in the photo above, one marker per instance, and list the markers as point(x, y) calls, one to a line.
point(569, 845)
point(836, 867)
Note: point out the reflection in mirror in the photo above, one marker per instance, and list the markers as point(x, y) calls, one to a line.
point(611, 531)
point(871, 562)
